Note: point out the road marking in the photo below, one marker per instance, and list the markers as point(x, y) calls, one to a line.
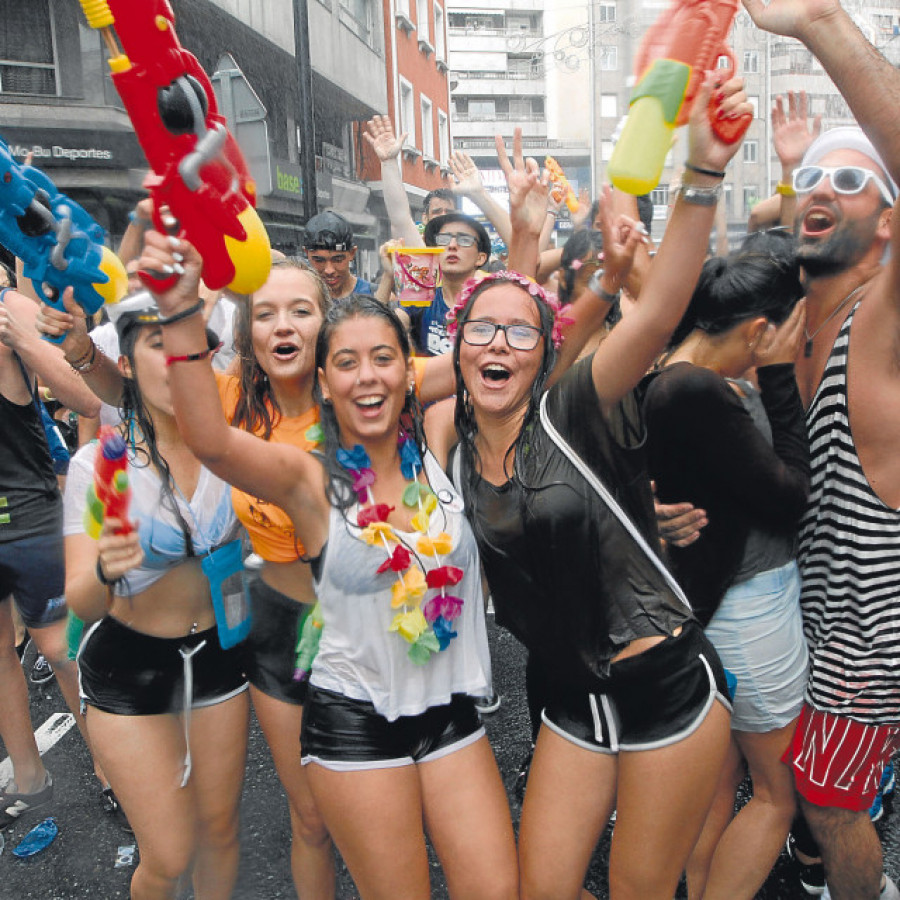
point(46, 737)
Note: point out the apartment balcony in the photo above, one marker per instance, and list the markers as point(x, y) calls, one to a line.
point(486, 83)
point(485, 127)
point(491, 40)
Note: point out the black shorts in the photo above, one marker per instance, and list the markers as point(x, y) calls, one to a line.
point(128, 673)
point(348, 735)
point(653, 699)
point(270, 650)
point(33, 570)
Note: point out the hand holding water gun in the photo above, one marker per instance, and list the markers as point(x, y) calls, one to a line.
point(58, 242)
point(561, 189)
point(109, 495)
point(199, 173)
point(686, 40)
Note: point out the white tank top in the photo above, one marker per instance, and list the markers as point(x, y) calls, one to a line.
point(358, 657)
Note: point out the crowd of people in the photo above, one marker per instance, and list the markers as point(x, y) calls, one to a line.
point(679, 489)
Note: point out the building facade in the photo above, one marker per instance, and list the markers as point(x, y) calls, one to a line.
point(57, 101)
point(418, 97)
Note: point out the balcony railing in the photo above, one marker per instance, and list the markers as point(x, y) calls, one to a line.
point(527, 144)
point(500, 117)
point(496, 32)
point(506, 75)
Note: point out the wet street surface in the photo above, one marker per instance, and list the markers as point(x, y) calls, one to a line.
point(81, 863)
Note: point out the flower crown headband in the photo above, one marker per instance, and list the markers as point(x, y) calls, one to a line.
point(527, 284)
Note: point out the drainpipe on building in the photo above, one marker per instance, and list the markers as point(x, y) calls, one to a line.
point(307, 112)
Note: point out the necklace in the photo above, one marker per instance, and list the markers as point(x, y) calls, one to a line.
point(808, 346)
point(425, 624)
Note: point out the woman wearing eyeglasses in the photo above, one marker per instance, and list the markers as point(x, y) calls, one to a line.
point(637, 717)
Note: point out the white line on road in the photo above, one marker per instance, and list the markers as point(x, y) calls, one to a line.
point(46, 736)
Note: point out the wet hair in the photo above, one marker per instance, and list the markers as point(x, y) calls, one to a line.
point(579, 245)
point(762, 279)
point(138, 422)
point(438, 194)
point(340, 493)
point(256, 409)
point(464, 414)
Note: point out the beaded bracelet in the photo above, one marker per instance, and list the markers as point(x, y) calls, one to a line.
point(183, 314)
point(85, 359)
point(711, 172)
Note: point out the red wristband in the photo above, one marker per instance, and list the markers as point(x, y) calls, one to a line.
point(193, 357)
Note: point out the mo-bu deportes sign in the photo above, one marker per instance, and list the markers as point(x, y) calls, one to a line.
point(52, 147)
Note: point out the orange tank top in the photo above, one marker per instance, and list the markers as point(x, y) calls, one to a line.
point(270, 528)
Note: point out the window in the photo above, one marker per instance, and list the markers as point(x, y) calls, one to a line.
point(403, 7)
point(440, 46)
point(660, 195)
point(609, 59)
point(357, 16)
point(26, 48)
point(427, 126)
point(407, 111)
point(751, 62)
point(422, 9)
point(606, 150)
point(754, 102)
point(606, 11)
point(751, 196)
point(728, 197)
point(482, 107)
point(443, 137)
point(751, 151)
point(609, 106)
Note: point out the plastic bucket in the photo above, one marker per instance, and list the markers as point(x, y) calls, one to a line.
point(417, 271)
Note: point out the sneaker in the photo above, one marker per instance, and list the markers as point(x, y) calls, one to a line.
point(110, 803)
point(41, 671)
point(13, 804)
point(811, 875)
point(488, 705)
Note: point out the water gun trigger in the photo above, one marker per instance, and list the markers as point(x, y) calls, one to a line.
point(728, 130)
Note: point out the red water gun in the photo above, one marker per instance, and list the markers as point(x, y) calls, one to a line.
point(685, 42)
point(109, 495)
point(198, 172)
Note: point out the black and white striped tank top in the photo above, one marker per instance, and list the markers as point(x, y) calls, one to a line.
point(850, 561)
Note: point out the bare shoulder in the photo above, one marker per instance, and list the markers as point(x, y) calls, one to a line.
point(440, 429)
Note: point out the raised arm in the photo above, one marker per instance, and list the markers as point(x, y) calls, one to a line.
point(641, 336)
point(792, 133)
point(18, 332)
point(470, 184)
point(280, 473)
point(379, 133)
point(866, 80)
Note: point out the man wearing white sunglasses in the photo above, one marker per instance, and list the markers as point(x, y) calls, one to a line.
point(849, 377)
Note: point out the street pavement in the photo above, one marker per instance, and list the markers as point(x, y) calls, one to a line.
point(81, 863)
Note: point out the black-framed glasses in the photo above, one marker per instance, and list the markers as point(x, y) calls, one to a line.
point(480, 332)
point(443, 238)
point(844, 179)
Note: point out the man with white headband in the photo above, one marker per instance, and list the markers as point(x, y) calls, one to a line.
point(849, 377)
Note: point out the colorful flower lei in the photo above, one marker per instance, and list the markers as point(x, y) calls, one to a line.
point(427, 625)
point(524, 282)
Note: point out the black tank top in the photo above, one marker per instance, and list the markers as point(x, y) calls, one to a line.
point(30, 502)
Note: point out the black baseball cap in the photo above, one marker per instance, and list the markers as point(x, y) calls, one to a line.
point(482, 238)
point(328, 231)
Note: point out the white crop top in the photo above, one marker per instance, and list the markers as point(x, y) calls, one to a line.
point(358, 656)
point(209, 517)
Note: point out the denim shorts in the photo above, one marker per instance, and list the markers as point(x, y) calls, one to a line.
point(758, 633)
point(33, 570)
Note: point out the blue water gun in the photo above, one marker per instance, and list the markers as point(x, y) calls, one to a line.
point(56, 239)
